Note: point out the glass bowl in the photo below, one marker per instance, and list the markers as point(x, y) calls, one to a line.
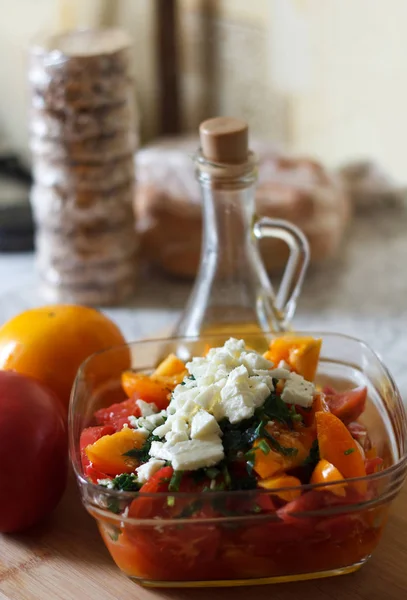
point(243, 541)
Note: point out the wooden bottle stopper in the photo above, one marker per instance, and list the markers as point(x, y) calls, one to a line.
point(224, 140)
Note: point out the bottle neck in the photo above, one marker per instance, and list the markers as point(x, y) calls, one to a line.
point(228, 193)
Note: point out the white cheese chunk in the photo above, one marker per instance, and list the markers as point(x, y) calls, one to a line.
point(298, 391)
point(146, 408)
point(107, 483)
point(174, 437)
point(284, 365)
point(160, 450)
point(196, 454)
point(144, 472)
point(280, 373)
point(179, 424)
point(204, 424)
point(162, 430)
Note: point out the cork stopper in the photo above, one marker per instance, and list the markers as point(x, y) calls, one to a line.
point(224, 140)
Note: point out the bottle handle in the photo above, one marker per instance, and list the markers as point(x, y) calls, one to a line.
point(293, 277)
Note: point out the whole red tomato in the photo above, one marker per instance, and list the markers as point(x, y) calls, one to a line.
point(33, 451)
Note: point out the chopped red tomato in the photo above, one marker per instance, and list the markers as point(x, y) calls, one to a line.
point(94, 474)
point(360, 434)
point(347, 406)
point(148, 507)
point(182, 547)
point(372, 464)
point(118, 414)
point(90, 435)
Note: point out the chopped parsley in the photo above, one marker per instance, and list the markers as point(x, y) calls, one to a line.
point(143, 454)
point(175, 481)
point(190, 510)
point(212, 472)
point(349, 451)
point(294, 416)
point(127, 482)
point(313, 456)
point(264, 447)
point(114, 506)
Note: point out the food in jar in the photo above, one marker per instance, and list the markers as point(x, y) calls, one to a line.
point(248, 467)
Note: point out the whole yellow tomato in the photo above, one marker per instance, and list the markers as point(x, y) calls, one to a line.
point(50, 343)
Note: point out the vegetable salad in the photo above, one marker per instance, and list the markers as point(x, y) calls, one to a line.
point(232, 421)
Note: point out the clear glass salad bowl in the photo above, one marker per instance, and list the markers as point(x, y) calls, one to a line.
point(242, 541)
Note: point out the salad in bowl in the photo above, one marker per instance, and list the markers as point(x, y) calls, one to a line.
point(209, 463)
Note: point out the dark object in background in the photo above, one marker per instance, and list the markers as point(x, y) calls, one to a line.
point(168, 68)
point(16, 222)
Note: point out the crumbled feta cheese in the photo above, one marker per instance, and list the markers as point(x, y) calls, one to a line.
point(284, 365)
point(179, 425)
point(174, 437)
point(204, 424)
point(160, 450)
point(144, 472)
point(107, 483)
point(148, 423)
point(195, 454)
point(279, 373)
point(146, 408)
point(162, 430)
point(229, 382)
point(298, 391)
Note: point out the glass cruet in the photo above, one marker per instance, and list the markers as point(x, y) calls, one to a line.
point(232, 292)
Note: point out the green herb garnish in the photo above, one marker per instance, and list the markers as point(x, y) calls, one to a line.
point(278, 447)
point(349, 451)
point(170, 501)
point(113, 532)
point(212, 472)
point(127, 482)
point(313, 456)
point(114, 506)
point(294, 416)
point(175, 481)
point(275, 409)
point(190, 510)
point(264, 447)
point(143, 454)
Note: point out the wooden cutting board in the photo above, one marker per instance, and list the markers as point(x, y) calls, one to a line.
point(66, 560)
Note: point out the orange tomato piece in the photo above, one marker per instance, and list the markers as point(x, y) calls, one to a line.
point(325, 472)
point(172, 365)
point(108, 453)
point(300, 352)
point(283, 481)
point(338, 447)
point(267, 465)
point(170, 381)
point(319, 405)
point(144, 388)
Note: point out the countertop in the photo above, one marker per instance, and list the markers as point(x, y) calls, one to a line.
point(363, 292)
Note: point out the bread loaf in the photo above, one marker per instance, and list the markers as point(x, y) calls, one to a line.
point(169, 215)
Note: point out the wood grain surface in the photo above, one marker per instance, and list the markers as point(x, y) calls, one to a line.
point(65, 559)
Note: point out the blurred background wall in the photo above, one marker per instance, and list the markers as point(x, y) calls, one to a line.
point(326, 78)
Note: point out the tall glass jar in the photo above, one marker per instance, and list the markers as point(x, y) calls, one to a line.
point(232, 291)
